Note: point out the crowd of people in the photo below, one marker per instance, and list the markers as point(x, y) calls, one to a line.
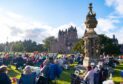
point(99, 73)
point(51, 68)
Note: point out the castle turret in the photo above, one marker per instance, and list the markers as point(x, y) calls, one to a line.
point(115, 41)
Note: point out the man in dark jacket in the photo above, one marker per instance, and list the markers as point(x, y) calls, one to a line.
point(19, 62)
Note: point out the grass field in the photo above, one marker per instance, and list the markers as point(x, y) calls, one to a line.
point(117, 78)
point(65, 76)
point(13, 72)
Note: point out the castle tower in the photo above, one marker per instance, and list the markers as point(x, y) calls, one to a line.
point(90, 38)
point(71, 38)
point(72, 33)
point(115, 41)
point(66, 40)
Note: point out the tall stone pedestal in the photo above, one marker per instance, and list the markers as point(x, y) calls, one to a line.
point(86, 61)
point(90, 48)
point(91, 41)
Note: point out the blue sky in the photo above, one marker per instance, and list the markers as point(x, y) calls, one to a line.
point(38, 19)
point(55, 12)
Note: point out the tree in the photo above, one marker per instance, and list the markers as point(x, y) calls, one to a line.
point(79, 46)
point(48, 41)
point(29, 45)
point(18, 46)
point(2, 46)
point(40, 48)
point(107, 46)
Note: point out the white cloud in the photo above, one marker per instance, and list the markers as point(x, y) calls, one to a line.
point(117, 4)
point(17, 27)
point(81, 30)
point(117, 14)
point(119, 35)
point(105, 25)
point(108, 27)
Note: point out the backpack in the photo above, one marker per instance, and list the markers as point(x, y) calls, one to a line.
point(42, 80)
point(75, 79)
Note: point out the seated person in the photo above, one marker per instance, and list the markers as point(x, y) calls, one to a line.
point(28, 77)
point(4, 79)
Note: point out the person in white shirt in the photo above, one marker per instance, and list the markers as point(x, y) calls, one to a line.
point(108, 82)
point(89, 77)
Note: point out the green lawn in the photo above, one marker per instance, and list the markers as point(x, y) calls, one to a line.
point(13, 72)
point(117, 78)
point(65, 76)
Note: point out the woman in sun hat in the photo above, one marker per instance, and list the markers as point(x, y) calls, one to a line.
point(4, 78)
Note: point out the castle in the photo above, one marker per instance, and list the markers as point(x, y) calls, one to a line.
point(65, 41)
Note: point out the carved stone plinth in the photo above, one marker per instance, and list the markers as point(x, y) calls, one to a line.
point(91, 40)
point(86, 61)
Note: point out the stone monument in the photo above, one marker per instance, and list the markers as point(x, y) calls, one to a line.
point(91, 44)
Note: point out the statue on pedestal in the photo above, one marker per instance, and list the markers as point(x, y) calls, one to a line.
point(90, 38)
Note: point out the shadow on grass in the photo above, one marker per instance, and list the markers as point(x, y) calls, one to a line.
point(116, 76)
point(116, 73)
point(66, 76)
point(120, 67)
point(118, 70)
point(117, 82)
